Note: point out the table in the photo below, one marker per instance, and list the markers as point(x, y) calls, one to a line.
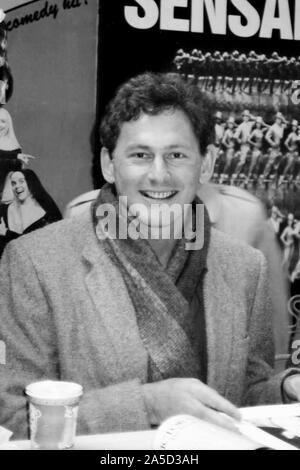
point(139, 440)
point(207, 436)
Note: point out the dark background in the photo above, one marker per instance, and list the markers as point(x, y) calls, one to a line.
point(125, 51)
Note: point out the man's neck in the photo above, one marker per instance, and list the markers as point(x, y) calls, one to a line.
point(163, 240)
point(163, 249)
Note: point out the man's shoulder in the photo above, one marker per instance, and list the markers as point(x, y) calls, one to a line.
point(221, 241)
point(230, 254)
point(236, 203)
point(236, 193)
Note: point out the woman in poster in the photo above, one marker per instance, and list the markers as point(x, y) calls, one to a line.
point(11, 156)
point(256, 139)
point(32, 207)
point(296, 272)
point(288, 240)
point(229, 143)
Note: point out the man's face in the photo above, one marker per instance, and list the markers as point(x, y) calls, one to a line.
point(157, 161)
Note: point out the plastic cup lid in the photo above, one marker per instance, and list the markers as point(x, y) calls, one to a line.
point(51, 389)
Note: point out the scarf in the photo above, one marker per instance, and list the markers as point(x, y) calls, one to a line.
point(168, 301)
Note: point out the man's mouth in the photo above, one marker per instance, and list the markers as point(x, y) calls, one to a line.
point(158, 195)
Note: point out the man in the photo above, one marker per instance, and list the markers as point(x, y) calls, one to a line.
point(150, 327)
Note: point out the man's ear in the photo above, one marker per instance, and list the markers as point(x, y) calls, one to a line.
point(107, 165)
point(208, 163)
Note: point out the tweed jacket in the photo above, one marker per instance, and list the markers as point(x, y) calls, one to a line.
point(242, 216)
point(66, 314)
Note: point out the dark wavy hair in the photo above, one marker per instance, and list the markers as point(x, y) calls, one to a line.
point(40, 194)
point(153, 93)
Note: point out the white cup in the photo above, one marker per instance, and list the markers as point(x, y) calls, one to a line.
point(53, 409)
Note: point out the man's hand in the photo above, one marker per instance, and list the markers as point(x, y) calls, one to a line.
point(188, 396)
point(291, 387)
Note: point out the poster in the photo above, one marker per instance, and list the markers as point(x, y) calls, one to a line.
point(245, 56)
point(52, 55)
point(240, 53)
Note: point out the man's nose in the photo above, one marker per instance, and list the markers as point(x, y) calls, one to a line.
point(159, 171)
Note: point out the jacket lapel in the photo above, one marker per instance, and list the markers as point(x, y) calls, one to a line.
point(220, 313)
point(111, 301)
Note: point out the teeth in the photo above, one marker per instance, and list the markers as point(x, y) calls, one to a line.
point(159, 195)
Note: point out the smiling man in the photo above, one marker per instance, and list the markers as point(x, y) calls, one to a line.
point(148, 327)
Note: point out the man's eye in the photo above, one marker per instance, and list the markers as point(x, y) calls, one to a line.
point(177, 155)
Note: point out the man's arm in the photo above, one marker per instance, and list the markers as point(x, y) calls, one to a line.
point(266, 242)
point(262, 385)
point(28, 335)
point(27, 331)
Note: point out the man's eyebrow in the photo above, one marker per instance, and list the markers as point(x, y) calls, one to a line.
point(178, 146)
point(136, 146)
